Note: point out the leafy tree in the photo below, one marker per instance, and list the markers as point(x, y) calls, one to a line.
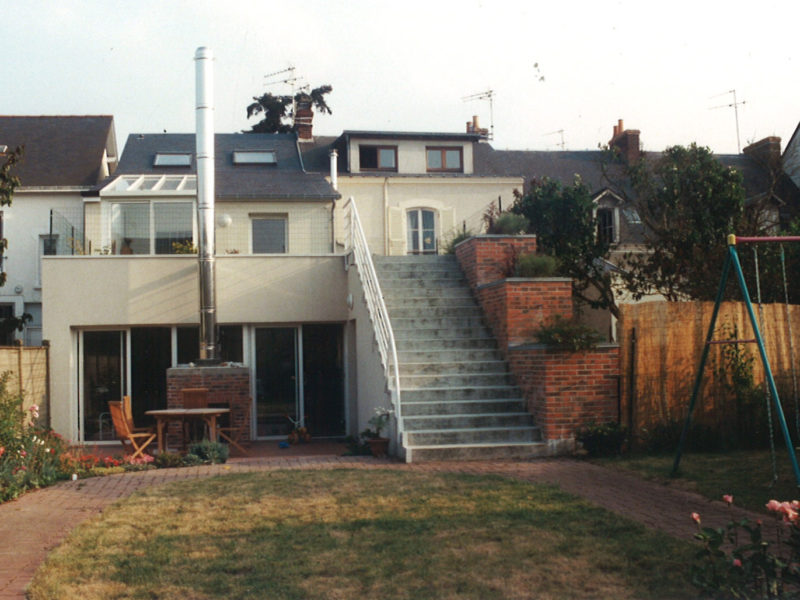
point(8, 183)
point(562, 217)
point(688, 202)
point(277, 116)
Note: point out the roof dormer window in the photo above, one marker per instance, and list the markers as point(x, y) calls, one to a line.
point(172, 159)
point(255, 157)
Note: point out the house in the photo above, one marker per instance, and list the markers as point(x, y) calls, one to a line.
point(64, 156)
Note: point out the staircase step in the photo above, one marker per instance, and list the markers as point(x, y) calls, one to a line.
point(433, 333)
point(436, 312)
point(450, 422)
point(476, 435)
point(453, 368)
point(453, 393)
point(461, 407)
point(412, 344)
point(411, 382)
point(426, 355)
point(420, 283)
point(494, 451)
point(426, 302)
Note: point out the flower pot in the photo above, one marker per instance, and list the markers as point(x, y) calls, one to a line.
point(378, 446)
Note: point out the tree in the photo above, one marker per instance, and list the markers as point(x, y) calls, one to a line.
point(8, 183)
point(277, 116)
point(688, 203)
point(565, 226)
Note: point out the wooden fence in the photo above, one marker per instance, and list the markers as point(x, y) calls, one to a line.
point(660, 349)
point(26, 368)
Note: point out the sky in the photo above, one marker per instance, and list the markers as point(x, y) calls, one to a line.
point(561, 74)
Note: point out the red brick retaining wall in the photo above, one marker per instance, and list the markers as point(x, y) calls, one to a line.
point(564, 391)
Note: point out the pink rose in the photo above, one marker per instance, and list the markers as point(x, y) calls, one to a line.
point(696, 517)
point(728, 499)
point(737, 562)
point(773, 505)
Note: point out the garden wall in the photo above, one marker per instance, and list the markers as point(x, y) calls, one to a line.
point(27, 370)
point(661, 345)
point(563, 390)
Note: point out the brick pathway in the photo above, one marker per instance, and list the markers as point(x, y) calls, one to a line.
point(37, 522)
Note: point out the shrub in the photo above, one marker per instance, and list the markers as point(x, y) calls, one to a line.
point(568, 334)
point(450, 245)
point(536, 265)
point(168, 460)
point(603, 440)
point(508, 223)
point(209, 452)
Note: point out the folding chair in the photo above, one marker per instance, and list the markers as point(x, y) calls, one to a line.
point(234, 435)
point(128, 412)
point(138, 441)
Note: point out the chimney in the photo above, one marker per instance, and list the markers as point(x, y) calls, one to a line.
point(334, 169)
point(303, 120)
point(766, 151)
point(625, 142)
point(204, 123)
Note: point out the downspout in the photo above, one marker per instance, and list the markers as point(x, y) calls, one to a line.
point(204, 114)
point(335, 185)
point(386, 216)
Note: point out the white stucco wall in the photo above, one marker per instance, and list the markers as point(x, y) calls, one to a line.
point(121, 291)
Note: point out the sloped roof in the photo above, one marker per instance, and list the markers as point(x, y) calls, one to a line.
point(60, 151)
point(286, 179)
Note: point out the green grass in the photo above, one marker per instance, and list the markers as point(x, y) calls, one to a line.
point(746, 474)
point(362, 534)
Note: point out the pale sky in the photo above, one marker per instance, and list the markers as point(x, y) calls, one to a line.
point(405, 66)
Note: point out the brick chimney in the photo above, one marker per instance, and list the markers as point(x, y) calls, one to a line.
point(767, 151)
point(303, 121)
point(626, 142)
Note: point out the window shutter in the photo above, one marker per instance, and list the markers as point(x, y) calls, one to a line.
point(396, 231)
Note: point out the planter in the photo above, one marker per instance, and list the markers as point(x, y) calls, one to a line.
point(378, 446)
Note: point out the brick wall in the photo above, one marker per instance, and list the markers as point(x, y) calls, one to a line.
point(486, 258)
point(224, 384)
point(564, 391)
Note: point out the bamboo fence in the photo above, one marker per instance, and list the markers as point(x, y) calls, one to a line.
point(26, 369)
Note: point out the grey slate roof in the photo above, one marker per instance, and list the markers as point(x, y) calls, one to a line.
point(60, 151)
point(284, 180)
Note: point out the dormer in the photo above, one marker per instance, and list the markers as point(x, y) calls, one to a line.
point(408, 153)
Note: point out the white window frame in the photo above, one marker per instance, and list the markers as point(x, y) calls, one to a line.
point(151, 204)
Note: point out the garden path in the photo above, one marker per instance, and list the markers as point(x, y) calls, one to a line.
point(38, 521)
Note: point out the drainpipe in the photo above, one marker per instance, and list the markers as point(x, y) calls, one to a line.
point(204, 114)
point(386, 216)
point(335, 185)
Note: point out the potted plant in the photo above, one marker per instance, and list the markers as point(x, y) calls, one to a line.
point(377, 444)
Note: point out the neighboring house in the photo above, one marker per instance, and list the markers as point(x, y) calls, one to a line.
point(64, 156)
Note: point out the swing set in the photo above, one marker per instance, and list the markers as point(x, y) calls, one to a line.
point(732, 261)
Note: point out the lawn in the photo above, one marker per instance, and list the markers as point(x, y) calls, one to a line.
point(362, 534)
point(746, 474)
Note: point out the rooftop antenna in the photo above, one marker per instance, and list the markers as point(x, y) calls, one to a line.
point(735, 106)
point(291, 79)
point(487, 95)
point(561, 132)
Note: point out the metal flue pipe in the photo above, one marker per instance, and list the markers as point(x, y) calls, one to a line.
point(204, 113)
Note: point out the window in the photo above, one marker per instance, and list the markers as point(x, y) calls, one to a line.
point(447, 159)
point(377, 158)
point(151, 227)
point(254, 157)
point(605, 225)
point(48, 246)
point(7, 336)
point(421, 231)
point(269, 234)
point(172, 159)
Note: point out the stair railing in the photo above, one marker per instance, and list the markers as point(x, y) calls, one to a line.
point(384, 335)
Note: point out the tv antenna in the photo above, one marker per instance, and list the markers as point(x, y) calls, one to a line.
point(735, 104)
point(487, 95)
point(561, 132)
point(289, 78)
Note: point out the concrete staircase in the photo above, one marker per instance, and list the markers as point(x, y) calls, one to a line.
point(459, 401)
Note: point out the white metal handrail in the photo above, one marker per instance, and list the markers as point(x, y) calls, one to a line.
point(384, 335)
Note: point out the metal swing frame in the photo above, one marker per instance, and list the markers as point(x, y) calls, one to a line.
point(732, 260)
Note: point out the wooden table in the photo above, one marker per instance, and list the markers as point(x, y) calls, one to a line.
point(207, 415)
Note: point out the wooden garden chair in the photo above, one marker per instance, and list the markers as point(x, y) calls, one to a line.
point(229, 432)
point(128, 412)
point(193, 398)
point(137, 441)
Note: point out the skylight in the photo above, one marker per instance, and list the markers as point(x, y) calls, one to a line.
point(175, 184)
point(172, 159)
point(254, 157)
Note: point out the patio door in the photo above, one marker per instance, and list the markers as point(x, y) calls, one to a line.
point(277, 402)
point(102, 378)
point(421, 231)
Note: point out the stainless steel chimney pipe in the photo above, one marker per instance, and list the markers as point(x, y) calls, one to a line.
point(204, 113)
